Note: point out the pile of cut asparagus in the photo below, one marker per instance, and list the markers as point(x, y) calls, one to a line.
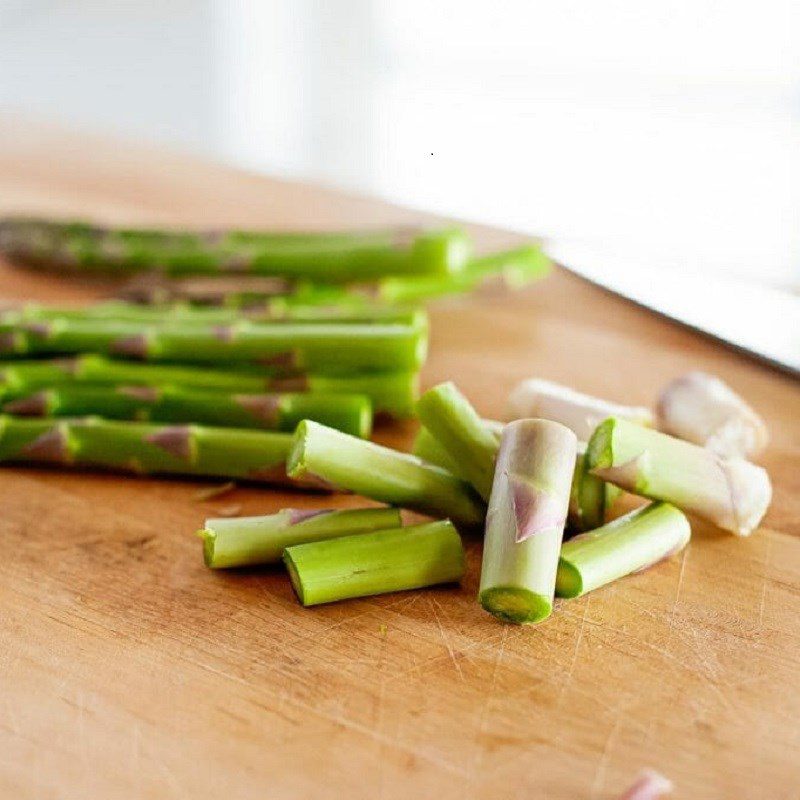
point(528, 481)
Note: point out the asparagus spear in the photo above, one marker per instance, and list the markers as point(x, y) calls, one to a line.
point(628, 544)
point(525, 522)
point(295, 347)
point(330, 256)
point(702, 409)
point(149, 449)
point(349, 464)
point(580, 412)
point(455, 424)
point(375, 563)
point(392, 393)
point(246, 541)
point(351, 413)
point(510, 269)
point(274, 310)
point(732, 493)
point(590, 497)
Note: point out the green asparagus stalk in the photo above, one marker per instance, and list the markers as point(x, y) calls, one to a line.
point(328, 256)
point(244, 541)
point(351, 413)
point(149, 449)
point(349, 464)
point(455, 424)
point(590, 497)
point(375, 563)
point(295, 347)
point(628, 544)
point(392, 393)
point(510, 270)
point(274, 310)
point(526, 518)
point(731, 493)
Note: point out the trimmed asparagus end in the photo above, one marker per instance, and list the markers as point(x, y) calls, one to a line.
point(294, 576)
point(516, 605)
point(702, 409)
point(209, 538)
point(732, 493)
point(580, 412)
point(569, 583)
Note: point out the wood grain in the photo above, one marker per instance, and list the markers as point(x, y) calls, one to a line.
point(131, 671)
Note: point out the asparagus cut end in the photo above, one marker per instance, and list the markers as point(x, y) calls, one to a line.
point(514, 604)
point(295, 463)
point(209, 538)
point(294, 577)
point(569, 583)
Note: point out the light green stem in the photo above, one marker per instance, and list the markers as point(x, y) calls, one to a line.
point(349, 464)
point(245, 541)
point(375, 563)
point(149, 449)
point(392, 393)
point(455, 424)
point(526, 518)
point(628, 544)
point(275, 411)
point(335, 257)
point(293, 347)
point(732, 493)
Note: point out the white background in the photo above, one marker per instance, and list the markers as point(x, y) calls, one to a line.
point(655, 128)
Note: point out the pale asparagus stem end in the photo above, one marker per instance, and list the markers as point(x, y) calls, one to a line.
point(580, 412)
point(649, 785)
point(702, 409)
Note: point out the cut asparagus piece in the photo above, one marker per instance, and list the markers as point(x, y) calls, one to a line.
point(580, 412)
point(341, 256)
point(732, 493)
point(375, 563)
point(292, 347)
point(702, 409)
point(628, 544)
point(428, 448)
point(351, 413)
point(590, 497)
point(393, 393)
point(149, 449)
point(245, 541)
point(455, 424)
point(526, 518)
point(349, 464)
point(273, 310)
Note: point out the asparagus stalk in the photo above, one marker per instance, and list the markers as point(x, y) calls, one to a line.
point(330, 256)
point(393, 393)
point(704, 410)
point(731, 493)
point(149, 449)
point(375, 563)
point(351, 413)
point(628, 544)
point(580, 412)
point(590, 497)
point(510, 270)
point(294, 347)
point(455, 424)
point(274, 310)
point(349, 464)
point(245, 541)
point(526, 518)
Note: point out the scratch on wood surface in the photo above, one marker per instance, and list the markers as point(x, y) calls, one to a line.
point(765, 580)
point(678, 588)
point(574, 660)
point(602, 764)
point(445, 640)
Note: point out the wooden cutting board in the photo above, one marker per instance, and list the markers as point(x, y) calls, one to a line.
point(128, 670)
